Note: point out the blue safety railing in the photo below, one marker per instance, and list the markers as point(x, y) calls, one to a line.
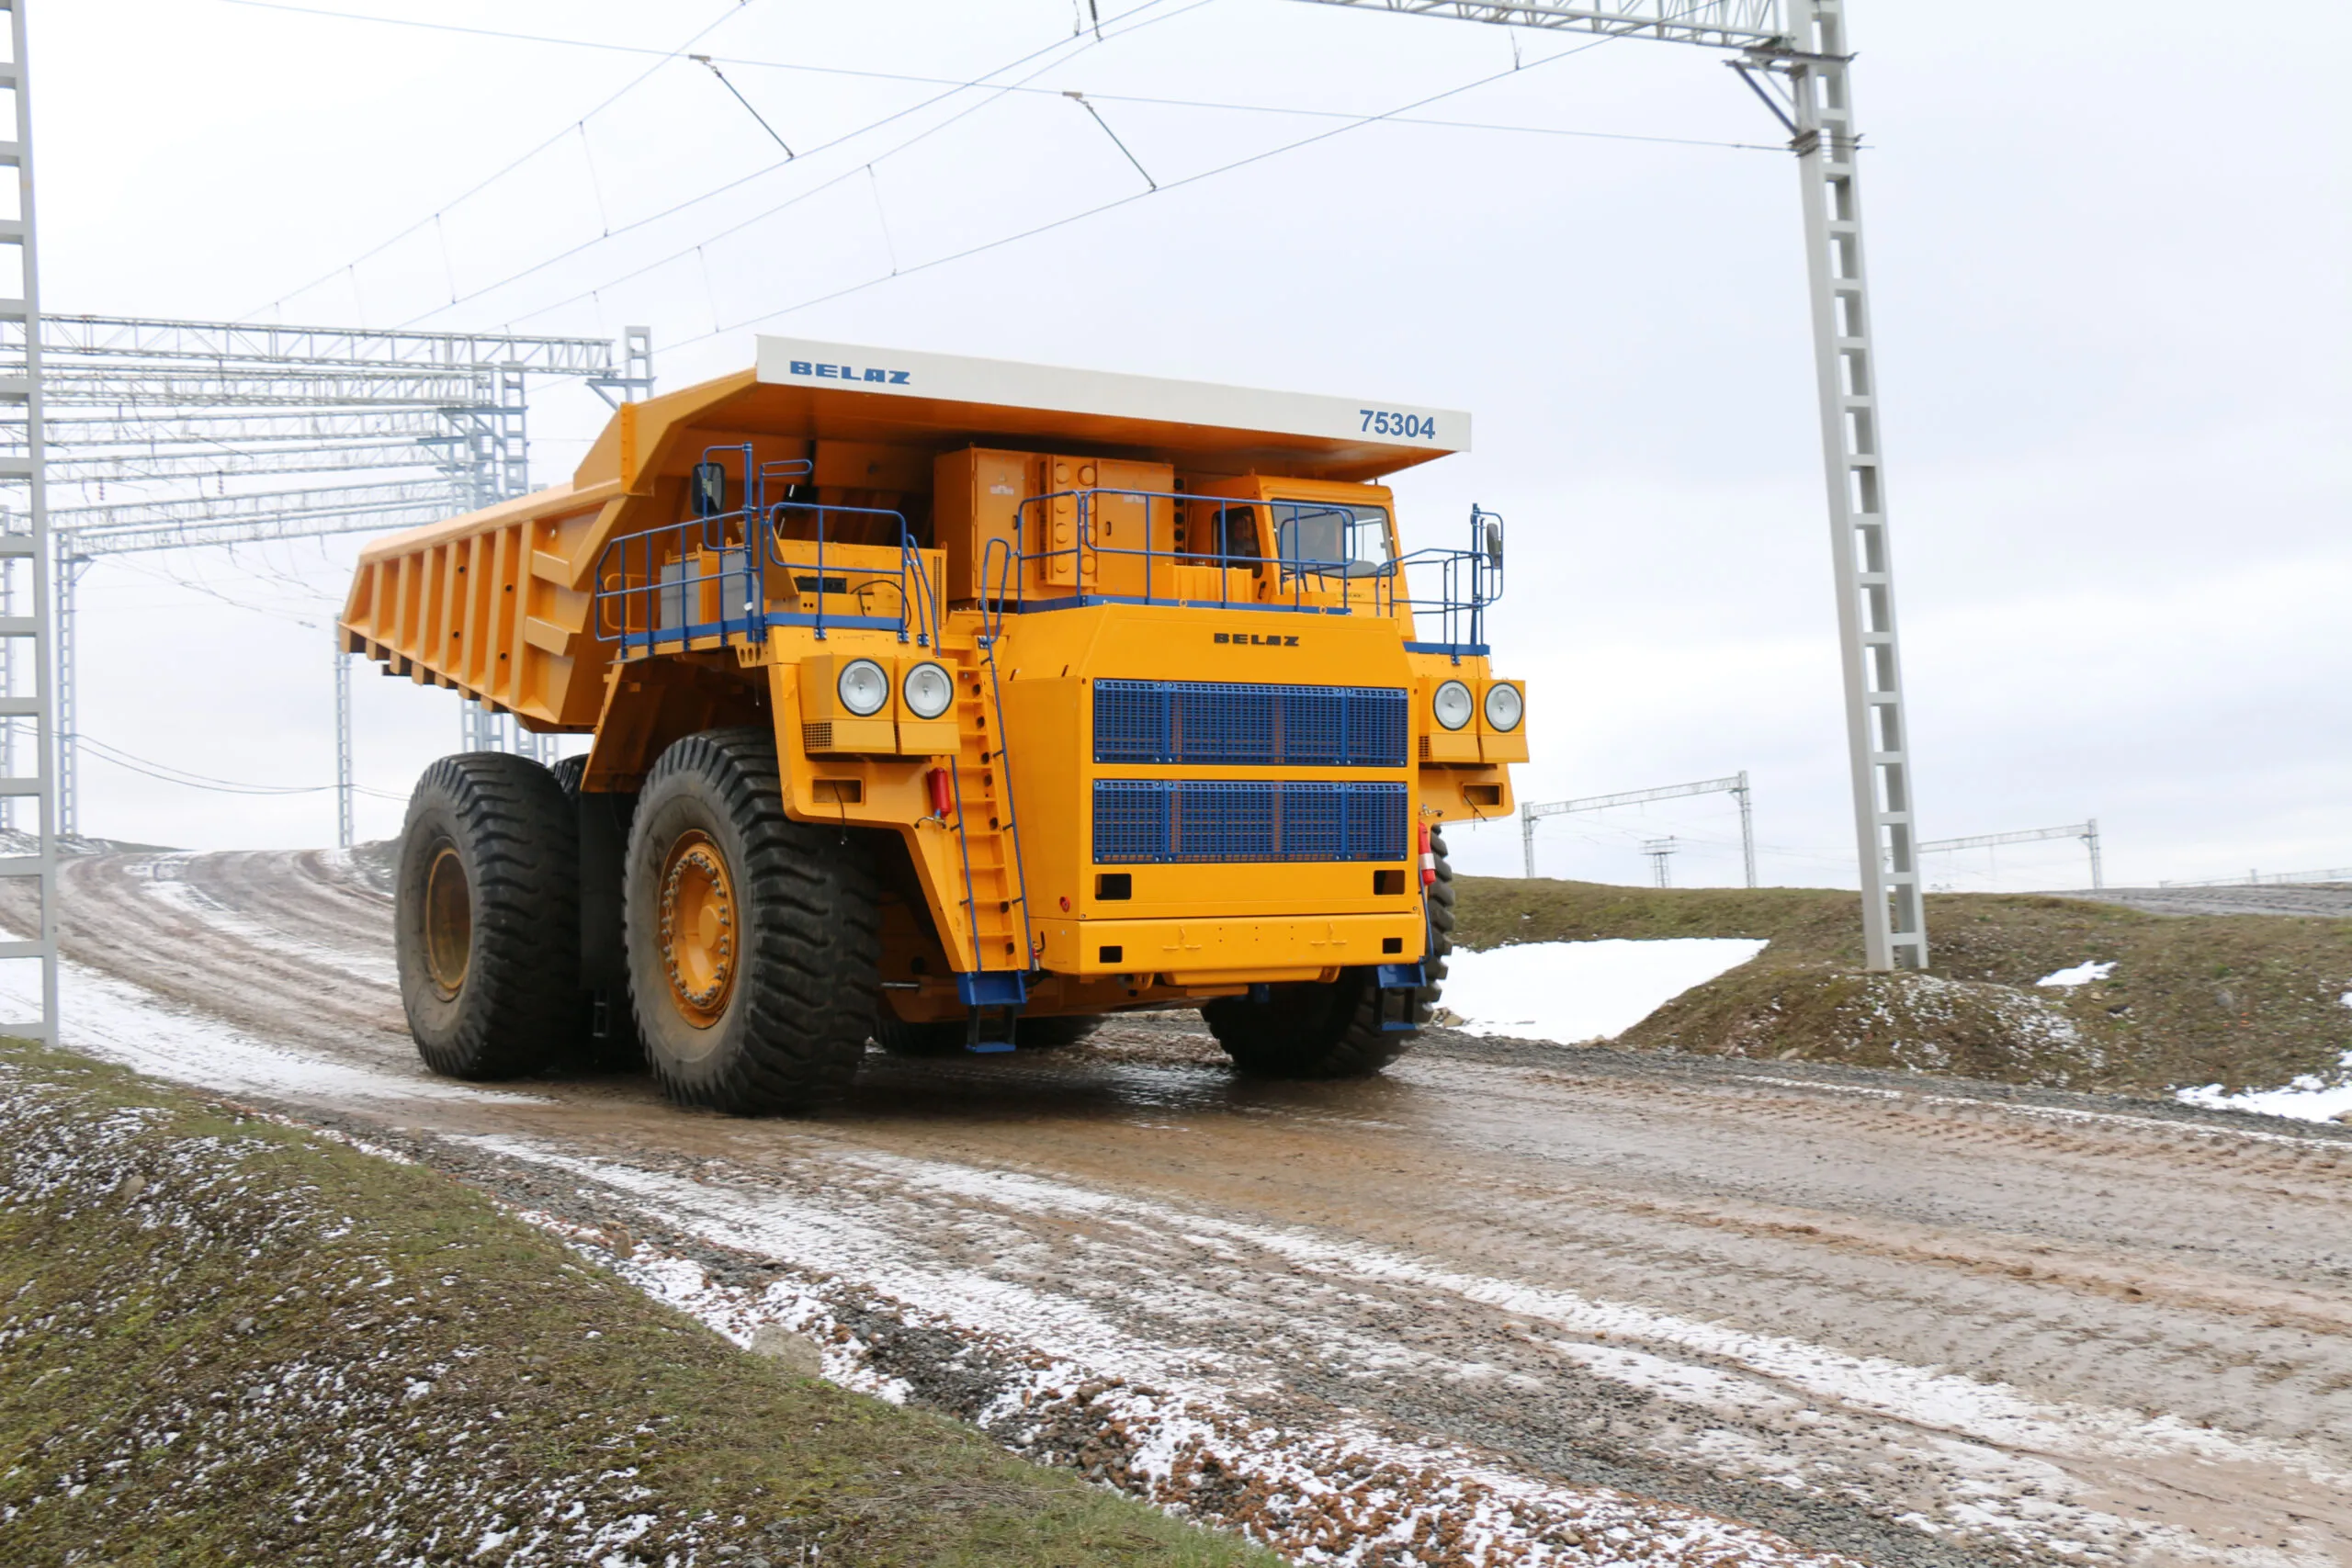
point(1315, 567)
point(705, 577)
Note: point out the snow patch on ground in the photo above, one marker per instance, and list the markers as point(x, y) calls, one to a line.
point(2080, 975)
point(2308, 1099)
point(1575, 991)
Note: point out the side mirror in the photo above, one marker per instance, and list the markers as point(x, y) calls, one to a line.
point(1495, 543)
point(708, 488)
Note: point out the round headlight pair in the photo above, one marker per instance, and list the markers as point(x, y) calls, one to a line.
point(1453, 706)
point(864, 687)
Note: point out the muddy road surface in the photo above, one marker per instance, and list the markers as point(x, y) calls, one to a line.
point(1510, 1304)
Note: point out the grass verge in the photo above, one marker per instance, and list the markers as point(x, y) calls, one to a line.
point(227, 1341)
point(2241, 1001)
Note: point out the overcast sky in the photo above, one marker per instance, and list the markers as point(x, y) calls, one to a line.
point(2108, 251)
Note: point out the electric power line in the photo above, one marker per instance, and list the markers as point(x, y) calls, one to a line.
point(476, 190)
point(1132, 197)
point(167, 774)
point(913, 79)
point(995, 90)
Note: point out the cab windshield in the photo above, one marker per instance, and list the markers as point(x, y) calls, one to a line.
point(1327, 538)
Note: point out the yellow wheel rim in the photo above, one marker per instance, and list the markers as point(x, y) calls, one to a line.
point(448, 921)
point(698, 928)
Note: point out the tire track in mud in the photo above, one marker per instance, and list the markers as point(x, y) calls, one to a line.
point(1897, 1318)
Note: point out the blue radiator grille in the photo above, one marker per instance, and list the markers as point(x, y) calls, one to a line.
point(1245, 723)
point(1246, 819)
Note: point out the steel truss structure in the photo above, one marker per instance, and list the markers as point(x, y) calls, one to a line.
point(1795, 55)
point(2086, 831)
point(1736, 786)
point(26, 759)
point(180, 435)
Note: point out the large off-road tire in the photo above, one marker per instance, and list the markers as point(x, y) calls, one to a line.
point(486, 917)
point(754, 942)
point(1333, 1030)
point(607, 1028)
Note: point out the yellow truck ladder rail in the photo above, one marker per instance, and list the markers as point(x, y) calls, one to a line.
point(985, 989)
point(1011, 811)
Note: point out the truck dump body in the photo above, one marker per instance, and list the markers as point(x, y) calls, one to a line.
point(1131, 672)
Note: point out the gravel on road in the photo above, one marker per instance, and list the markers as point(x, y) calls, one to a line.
point(1544, 1304)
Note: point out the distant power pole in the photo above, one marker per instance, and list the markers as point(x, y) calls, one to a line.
point(1737, 784)
point(1660, 850)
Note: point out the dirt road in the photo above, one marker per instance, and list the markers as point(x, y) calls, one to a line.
point(1510, 1304)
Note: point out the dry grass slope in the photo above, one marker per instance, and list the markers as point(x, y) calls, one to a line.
point(2242, 1000)
point(225, 1341)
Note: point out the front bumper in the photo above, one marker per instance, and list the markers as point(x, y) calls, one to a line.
point(1231, 952)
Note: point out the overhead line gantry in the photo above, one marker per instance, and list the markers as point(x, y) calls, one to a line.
point(1797, 58)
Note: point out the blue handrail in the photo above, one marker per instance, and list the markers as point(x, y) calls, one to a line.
point(1468, 580)
point(651, 586)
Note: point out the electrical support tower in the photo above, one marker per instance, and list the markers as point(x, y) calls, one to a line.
point(1797, 57)
point(25, 650)
point(180, 435)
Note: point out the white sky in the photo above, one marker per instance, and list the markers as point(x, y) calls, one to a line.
point(2107, 247)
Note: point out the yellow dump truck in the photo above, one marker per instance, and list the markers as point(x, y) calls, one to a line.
point(950, 705)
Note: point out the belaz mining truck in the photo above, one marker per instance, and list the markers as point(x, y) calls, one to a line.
point(947, 705)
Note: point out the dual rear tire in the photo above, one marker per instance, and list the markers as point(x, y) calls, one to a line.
point(751, 943)
point(486, 917)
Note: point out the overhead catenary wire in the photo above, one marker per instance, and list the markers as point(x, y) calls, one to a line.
point(1079, 99)
point(775, 134)
point(911, 78)
point(979, 83)
point(1117, 202)
point(478, 187)
point(861, 73)
point(167, 774)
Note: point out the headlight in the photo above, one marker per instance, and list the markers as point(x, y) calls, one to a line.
point(928, 690)
point(1505, 707)
point(1453, 705)
point(863, 687)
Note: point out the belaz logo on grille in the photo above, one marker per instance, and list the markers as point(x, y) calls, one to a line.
point(1254, 640)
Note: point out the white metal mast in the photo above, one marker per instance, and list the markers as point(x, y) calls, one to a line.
point(1807, 54)
point(26, 549)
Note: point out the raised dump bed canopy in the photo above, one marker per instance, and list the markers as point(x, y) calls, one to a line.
point(503, 604)
point(894, 397)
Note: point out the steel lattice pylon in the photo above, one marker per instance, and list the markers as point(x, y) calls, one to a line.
point(1795, 54)
point(26, 759)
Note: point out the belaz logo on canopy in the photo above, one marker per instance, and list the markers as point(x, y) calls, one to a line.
point(818, 369)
